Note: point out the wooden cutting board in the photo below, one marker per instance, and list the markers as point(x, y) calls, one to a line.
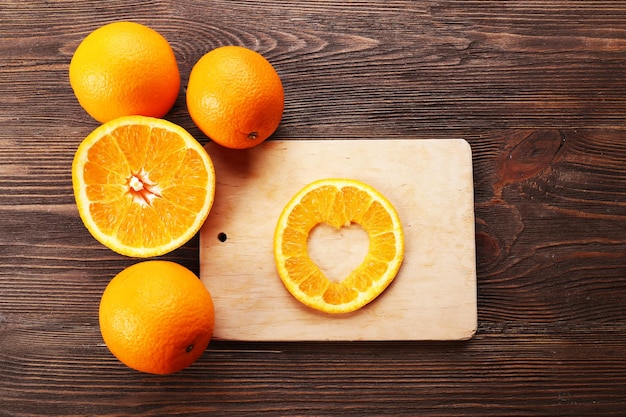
point(430, 183)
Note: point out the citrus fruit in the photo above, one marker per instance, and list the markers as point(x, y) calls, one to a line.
point(235, 97)
point(338, 202)
point(143, 186)
point(122, 69)
point(156, 317)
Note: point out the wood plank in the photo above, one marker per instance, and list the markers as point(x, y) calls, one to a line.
point(63, 369)
point(429, 182)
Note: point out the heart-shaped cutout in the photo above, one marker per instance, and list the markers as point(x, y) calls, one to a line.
point(338, 252)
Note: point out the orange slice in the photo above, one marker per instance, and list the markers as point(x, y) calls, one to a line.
point(338, 203)
point(143, 186)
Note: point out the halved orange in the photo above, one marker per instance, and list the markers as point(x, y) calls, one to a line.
point(143, 186)
point(338, 202)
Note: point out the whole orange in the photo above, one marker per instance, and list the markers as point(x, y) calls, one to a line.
point(156, 317)
point(124, 69)
point(235, 97)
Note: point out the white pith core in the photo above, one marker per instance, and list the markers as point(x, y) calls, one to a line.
point(142, 189)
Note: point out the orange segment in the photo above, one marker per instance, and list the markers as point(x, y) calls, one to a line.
point(338, 202)
point(143, 186)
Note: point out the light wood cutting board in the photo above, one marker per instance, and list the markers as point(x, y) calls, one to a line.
point(430, 183)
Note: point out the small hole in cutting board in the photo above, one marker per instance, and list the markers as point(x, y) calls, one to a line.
point(338, 252)
point(222, 237)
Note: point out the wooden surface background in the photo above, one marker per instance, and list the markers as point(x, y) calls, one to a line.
point(538, 88)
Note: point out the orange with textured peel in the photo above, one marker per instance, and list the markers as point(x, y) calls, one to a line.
point(235, 97)
point(338, 202)
point(156, 317)
point(143, 186)
point(123, 69)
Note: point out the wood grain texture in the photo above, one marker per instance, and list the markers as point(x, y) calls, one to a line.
point(537, 88)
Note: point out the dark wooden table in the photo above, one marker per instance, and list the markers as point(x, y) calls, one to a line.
point(537, 88)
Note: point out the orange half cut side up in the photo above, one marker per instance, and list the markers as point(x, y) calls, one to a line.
point(143, 186)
